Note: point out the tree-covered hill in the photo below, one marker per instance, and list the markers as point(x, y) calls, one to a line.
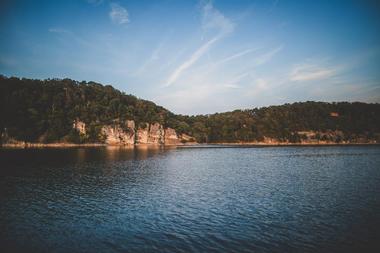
point(44, 111)
point(354, 122)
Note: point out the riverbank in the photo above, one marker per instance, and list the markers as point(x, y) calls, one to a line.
point(21, 145)
point(293, 144)
point(264, 145)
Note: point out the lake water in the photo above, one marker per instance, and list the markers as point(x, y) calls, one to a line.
point(272, 199)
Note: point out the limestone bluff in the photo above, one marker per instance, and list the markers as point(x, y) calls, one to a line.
point(129, 134)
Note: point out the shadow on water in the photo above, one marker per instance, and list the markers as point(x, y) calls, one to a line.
point(40, 159)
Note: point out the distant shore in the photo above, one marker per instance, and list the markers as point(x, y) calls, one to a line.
point(184, 145)
point(292, 143)
point(237, 145)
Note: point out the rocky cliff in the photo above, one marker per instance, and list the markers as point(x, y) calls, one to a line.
point(116, 135)
point(80, 126)
point(129, 134)
point(171, 137)
point(142, 134)
point(156, 134)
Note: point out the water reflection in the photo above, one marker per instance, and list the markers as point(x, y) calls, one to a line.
point(13, 160)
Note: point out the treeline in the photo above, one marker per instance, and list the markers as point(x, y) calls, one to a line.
point(44, 111)
point(355, 121)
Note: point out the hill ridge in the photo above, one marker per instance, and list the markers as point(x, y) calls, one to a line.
point(43, 111)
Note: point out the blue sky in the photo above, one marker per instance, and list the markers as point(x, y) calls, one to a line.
point(197, 57)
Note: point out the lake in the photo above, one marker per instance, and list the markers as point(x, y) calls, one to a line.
point(196, 199)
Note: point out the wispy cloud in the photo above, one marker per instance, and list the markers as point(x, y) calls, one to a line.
point(236, 55)
point(212, 19)
point(309, 72)
point(234, 83)
point(155, 55)
point(261, 83)
point(257, 87)
point(266, 57)
point(119, 14)
point(193, 58)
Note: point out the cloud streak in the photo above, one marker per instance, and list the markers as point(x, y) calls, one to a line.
point(264, 58)
point(118, 14)
point(235, 56)
point(189, 62)
point(234, 83)
point(155, 55)
point(212, 19)
point(309, 72)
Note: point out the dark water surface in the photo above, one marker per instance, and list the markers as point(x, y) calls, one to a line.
point(282, 199)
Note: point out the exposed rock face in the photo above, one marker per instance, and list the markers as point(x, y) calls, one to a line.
point(186, 138)
point(129, 135)
point(131, 126)
point(142, 135)
point(80, 126)
point(115, 135)
point(156, 134)
point(171, 137)
point(270, 140)
point(323, 137)
point(151, 134)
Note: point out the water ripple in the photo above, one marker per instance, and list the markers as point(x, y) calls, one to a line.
point(297, 199)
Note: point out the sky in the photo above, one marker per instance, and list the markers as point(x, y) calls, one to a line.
point(200, 57)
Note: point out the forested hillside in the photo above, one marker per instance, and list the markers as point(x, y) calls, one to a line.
point(44, 111)
point(330, 121)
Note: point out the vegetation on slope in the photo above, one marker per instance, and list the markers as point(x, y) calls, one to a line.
point(284, 122)
point(44, 111)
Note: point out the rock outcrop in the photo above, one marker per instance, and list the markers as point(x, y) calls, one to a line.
point(323, 137)
point(156, 134)
point(186, 138)
point(80, 126)
point(129, 135)
point(142, 135)
point(115, 135)
point(171, 137)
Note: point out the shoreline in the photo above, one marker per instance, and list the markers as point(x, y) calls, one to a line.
point(89, 145)
point(263, 145)
point(180, 145)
